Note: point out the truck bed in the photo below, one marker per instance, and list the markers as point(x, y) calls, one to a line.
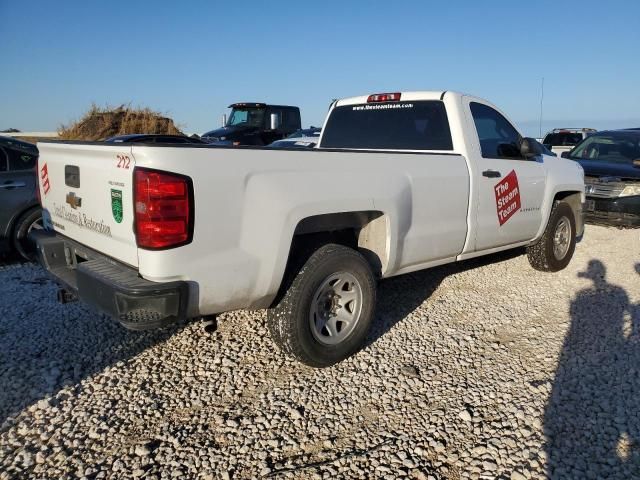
point(248, 203)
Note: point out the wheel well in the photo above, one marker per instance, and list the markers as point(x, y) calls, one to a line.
point(365, 231)
point(563, 195)
point(574, 199)
point(14, 222)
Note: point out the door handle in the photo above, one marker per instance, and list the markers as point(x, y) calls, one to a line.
point(13, 185)
point(491, 174)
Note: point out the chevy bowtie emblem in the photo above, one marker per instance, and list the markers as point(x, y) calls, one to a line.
point(73, 201)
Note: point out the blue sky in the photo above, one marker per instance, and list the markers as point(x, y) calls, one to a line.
point(191, 59)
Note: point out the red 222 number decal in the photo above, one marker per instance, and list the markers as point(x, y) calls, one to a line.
point(123, 161)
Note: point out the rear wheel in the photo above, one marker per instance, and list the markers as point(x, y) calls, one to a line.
point(554, 250)
point(29, 221)
point(325, 314)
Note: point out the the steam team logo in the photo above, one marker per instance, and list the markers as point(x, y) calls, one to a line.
point(116, 205)
point(507, 197)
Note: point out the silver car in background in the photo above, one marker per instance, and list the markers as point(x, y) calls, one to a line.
point(304, 138)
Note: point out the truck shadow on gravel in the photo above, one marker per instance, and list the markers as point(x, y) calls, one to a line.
point(399, 296)
point(48, 349)
point(592, 420)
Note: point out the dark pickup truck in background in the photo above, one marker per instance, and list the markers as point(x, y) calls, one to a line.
point(255, 124)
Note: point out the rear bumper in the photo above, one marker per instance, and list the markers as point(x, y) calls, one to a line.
point(621, 211)
point(109, 286)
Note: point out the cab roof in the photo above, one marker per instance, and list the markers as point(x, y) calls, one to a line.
point(572, 129)
point(257, 105)
point(10, 142)
point(404, 96)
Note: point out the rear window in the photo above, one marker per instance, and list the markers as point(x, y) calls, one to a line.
point(290, 119)
point(567, 139)
point(21, 160)
point(418, 125)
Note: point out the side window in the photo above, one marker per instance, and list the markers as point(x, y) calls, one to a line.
point(498, 138)
point(21, 160)
point(4, 161)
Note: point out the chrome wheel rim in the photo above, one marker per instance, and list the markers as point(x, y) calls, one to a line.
point(562, 238)
point(336, 307)
point(37, 225)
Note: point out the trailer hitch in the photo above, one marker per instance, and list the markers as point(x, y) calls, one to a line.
point(65, 296)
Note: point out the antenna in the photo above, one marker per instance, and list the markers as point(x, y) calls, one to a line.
point(541, 100)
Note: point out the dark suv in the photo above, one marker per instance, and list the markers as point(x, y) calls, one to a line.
point(19, 207)
point(611, 162)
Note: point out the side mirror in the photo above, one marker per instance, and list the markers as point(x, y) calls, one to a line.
point(565, 155)
point(224, 119)
point(274, 121)
point(529, 148)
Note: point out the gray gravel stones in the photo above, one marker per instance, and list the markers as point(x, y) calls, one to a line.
point(486, 369)
point(465, 415)
point(410, 371)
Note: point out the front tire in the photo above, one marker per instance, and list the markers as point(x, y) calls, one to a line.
point(326, 312)
point(554, 250)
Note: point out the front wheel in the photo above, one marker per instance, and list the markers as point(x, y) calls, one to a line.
point(325, 314)
point(554, 250)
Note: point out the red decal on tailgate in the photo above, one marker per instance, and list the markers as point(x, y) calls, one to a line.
point(44, 175)
point(507, 197)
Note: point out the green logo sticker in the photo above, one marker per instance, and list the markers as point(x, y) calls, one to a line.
point(116, 204)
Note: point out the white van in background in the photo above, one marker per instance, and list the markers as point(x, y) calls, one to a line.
point(561, 140)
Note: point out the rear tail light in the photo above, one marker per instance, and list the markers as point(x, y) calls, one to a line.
point(163, 209)
point(383, 97)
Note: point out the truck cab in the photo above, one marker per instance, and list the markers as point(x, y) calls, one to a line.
point(255, 124)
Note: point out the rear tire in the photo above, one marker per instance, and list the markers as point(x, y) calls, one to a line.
point(325, 314)
point(28, 221)
point(554, 250)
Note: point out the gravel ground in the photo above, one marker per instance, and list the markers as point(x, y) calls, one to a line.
point(486, 369)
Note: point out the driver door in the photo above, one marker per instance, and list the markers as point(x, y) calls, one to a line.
point(511, 188)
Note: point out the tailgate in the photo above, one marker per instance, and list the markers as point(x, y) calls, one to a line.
point(87, 195)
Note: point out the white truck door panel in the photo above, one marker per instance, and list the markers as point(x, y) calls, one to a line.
point(511, 189)
point(509, 207)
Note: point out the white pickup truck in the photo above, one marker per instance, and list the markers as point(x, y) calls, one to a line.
point(400, 182)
